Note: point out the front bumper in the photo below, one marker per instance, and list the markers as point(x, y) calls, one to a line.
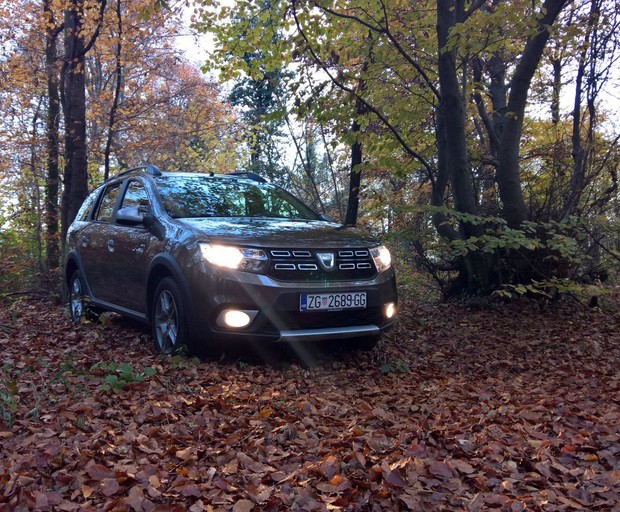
point(321, 334)
point(277, 302)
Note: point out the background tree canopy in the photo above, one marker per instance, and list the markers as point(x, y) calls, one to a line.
point(479, 138)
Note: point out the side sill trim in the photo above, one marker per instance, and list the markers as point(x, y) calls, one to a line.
point(329, 333)
point(107, 306)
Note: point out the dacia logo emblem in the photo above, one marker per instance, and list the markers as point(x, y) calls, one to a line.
point(327, 260)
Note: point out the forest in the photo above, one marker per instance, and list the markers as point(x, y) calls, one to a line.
point(478, 139)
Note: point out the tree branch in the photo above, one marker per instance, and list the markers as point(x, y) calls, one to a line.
point(387, 32)
point(370, 107)
point(95, 35)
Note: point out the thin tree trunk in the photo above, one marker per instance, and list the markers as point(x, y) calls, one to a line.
point(304, 161)
point(355, 176)
point(35, 177)
point(332, 172)
point(52, 128)
point(556, 65)
point(117, 90)
point(578, 151)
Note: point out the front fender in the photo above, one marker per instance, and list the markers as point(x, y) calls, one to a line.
point(163, 265)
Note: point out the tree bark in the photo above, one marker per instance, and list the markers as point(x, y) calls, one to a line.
point(579, 152)
point(452, 144)
point(556, 65)
point(117, 90)
point(73, 99)
point(453, 162)
point(355, 177)
point(74, 107)
point(508, 169)
point(53, 142)
point(355, 171)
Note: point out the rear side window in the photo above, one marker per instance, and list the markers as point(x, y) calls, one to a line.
point(83, 213)
point(106, 206)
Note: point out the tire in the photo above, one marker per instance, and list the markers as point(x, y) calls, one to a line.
point(78, 304)
point(168, 322)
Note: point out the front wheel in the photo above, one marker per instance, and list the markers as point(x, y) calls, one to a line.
point(168, 321)
point(77, 304)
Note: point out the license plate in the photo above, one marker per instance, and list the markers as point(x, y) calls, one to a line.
point(332, 301)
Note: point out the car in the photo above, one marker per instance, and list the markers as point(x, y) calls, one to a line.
point(215, 258)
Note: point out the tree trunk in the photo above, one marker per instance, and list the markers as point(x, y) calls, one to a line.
point(74, 107)
point(117, 91)
point(453, 164)
point(578, 151)
point(52, 129)
point(556, 91)
point(355, 171)
point(508, 169)
point(73, 99)
point(355, 177)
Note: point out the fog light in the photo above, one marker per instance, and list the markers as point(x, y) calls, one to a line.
point(390, 310)
point(235, 318)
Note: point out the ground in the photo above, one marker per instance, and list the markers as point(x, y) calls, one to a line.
point(510, 407)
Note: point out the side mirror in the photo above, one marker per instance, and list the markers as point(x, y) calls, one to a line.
point(130, 216)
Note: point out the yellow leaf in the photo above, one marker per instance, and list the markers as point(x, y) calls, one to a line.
point(184, 454)
point(265, 413)
point(86, 491)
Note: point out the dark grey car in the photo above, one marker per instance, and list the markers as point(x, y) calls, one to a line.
point(219, 257)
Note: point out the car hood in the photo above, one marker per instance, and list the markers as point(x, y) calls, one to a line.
point(279, 232)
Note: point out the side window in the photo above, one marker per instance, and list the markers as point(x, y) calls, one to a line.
point(136, 196)
point(106, 206)
point(84, 212)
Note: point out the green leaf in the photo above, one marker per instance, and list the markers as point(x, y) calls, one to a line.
point(386, 368)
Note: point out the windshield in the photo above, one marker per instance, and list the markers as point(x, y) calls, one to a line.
point(206, 196)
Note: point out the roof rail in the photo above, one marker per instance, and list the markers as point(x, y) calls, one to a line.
point(248, 175)
point(153, 170)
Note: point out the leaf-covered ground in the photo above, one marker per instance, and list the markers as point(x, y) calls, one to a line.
point(506, 409)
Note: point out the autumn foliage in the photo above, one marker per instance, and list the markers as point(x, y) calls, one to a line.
point(507, 409)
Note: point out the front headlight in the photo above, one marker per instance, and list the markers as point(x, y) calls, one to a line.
point(382, 258)
point(238, 258)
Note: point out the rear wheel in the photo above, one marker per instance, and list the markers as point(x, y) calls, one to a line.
point(168, 321)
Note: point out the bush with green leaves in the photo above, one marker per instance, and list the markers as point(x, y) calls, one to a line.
point(540, 259)
point(117, 376)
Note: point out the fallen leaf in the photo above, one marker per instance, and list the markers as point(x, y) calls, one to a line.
point(243, 506)
point(440, 469)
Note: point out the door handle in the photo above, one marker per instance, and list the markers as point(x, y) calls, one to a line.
point(111, 245)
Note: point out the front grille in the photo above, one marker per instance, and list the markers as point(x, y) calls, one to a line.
point(321, 265)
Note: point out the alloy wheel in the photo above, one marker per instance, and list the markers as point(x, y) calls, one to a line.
point(77, 299)
point(166, 322)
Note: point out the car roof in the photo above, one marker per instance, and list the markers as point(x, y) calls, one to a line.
point(155, 172)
